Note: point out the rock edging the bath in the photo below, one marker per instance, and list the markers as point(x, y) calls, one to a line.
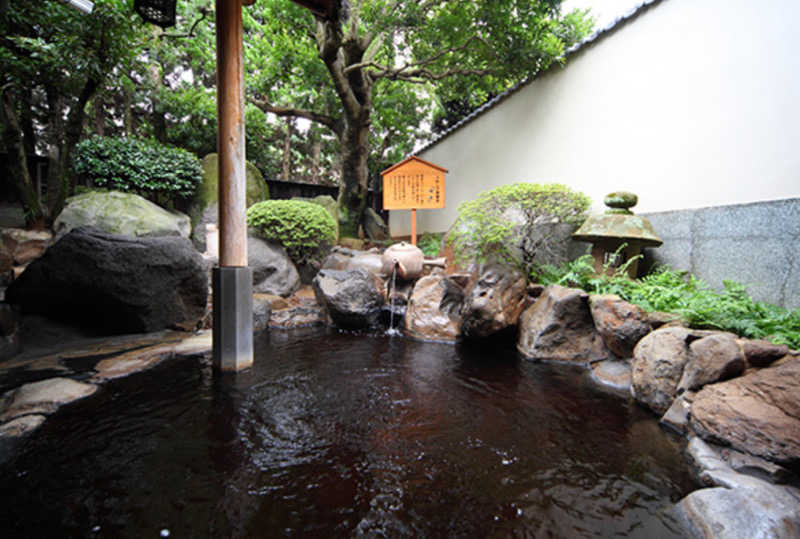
point(427, 317)
point(559, 326)
point(116, 284)
point(25, 408)
point(352, 298)
point(735, 505)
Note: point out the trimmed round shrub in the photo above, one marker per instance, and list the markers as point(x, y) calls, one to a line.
point(158, 172)
point(306, 230)
point(521, 225)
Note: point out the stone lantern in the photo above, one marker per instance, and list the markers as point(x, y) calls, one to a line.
point(617, 226)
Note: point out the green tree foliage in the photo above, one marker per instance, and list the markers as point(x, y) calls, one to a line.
point(458, 96)
point(306, 230)
point(510, 224)
point(174, 100)
point(53, 60)
point(355, 74)
point(667, 290)
point(163, 174)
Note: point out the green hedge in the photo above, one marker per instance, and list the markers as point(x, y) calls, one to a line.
point(306, 230)
point(155, 171)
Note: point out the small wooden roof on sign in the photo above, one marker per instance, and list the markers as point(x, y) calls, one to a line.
point(409, 160)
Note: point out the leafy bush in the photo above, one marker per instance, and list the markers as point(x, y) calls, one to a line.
point(515, 223)
point(304, 229)
point(731, 309)
point(430, 243)
point(155, 171)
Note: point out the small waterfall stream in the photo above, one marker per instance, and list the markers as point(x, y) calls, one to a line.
point(392, 331)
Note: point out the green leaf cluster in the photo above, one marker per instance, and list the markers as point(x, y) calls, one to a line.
point(430, 243)
point(485, 229)
point(145, 167)
point(730, 309)
point(304, 229)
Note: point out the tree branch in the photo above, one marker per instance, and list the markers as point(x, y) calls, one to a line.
point(416, 70)
point(203, 14)
point(328, 121)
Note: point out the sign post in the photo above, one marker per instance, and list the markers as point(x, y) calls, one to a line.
point(413, 184)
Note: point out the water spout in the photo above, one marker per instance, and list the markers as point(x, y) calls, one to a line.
point(392, 331)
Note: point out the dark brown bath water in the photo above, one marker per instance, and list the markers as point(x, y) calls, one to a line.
point(336, 435)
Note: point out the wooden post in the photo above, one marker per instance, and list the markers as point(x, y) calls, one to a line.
point(413, 226)
point(232, 280)
point(230, 135)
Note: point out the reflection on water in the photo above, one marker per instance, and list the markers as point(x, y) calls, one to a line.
point(333, 434)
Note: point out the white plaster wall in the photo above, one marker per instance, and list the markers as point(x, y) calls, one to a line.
point(693, 103)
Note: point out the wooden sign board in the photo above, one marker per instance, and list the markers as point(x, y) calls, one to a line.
point(413, 184)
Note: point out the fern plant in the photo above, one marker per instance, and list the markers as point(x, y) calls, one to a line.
point(731, 309)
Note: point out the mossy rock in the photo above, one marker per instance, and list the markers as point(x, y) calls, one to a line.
point(115, 212)
point(204, 205)
point(207, 191)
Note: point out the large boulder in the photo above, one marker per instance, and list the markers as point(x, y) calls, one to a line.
point(273, 270)
point(736, 505)
point(559, 326)
point(116, 284)
point(352, 298)
point(374, 226)
point(760, 353)
point(494, 302)
point(433, 311)
point(120, 213)
point(758, 413)
point(712, 359)
point(658, 362)
point(203, 209)
point(342, 258)
point(620, 324)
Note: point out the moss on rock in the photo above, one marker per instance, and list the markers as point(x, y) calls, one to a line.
point(207, 191)
point(115, 212)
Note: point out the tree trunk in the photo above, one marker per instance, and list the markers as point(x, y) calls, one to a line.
point(99, 116)
point(127, 110)
point(355, 173)
point(316, 156)
point(63, 141)
point(287, 152)
point(157, 115)
point(26, 121)
point(18, 162)
point(54, 137)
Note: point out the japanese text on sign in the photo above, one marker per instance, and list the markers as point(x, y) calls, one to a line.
point(413, 185)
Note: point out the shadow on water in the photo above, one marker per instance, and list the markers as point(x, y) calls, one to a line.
point(334, 434)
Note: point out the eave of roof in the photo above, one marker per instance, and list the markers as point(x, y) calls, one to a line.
point(610, 28)
point(410, 159)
